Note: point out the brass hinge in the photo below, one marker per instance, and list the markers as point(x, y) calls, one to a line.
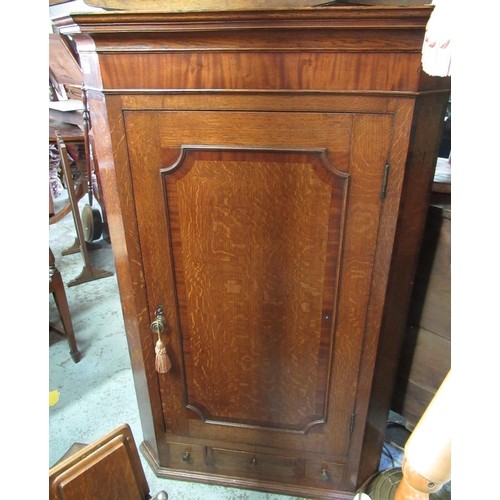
point(385, 180)
point(351, 422)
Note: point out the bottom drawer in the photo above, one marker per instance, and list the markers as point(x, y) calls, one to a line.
point(255, 465)
point(196, 458)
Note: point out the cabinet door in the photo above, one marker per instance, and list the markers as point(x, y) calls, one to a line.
point(258, 232)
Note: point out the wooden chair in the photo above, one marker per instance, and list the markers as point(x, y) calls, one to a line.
point(107, 469)
point(56, 288)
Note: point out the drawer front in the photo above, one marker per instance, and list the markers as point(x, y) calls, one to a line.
point(324, 474)
point(187, 457)
point(255, 465)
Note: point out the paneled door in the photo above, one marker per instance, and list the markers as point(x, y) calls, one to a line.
point(258, 233)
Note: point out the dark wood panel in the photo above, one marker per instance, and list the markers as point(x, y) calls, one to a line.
point(350, 18)
point(257, 465)
point(426, 353)
point(260, 70)
point(425, 362)
point(239, 219)
point(431, 298)
point(341, 48)
point(269, 39)
point(109, 467)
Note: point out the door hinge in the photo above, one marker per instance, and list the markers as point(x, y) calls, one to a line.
point(385, 179)
point(351, 422)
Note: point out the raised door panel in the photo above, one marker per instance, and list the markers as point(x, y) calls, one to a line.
point(258, 234)
point(253, 234)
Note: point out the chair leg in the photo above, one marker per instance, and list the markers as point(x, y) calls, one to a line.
point(59, 294)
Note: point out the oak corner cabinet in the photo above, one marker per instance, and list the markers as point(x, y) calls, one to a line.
point(266, 175)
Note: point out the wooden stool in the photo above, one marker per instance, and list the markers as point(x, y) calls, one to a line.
point(56, 288)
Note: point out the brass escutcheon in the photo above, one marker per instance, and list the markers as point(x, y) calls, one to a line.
point(159, 323)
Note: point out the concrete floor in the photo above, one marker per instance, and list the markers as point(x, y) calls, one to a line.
point(97, 394)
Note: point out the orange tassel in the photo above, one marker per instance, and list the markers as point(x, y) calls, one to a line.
point(162, 361)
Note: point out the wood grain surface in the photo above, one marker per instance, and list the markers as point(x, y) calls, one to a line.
point(268, 175)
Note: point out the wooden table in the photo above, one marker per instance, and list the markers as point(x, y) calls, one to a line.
point(71, 134)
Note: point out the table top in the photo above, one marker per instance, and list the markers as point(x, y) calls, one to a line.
point(68, 131)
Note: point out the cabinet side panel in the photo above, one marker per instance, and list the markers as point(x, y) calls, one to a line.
point(113, 158)
point(427, 124)
point(111, 152)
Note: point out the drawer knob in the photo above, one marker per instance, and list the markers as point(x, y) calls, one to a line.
point(324, 475)
point(186, 457)
point(253, 462)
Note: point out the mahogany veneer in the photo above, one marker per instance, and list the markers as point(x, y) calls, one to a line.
point(267, 176)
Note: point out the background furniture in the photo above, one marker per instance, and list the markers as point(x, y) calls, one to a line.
point(109, 468)
point(89, 272)
point(267, 176)
point(426, 352)
point(65, 112)
point(71, 134)
point(56, 288)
